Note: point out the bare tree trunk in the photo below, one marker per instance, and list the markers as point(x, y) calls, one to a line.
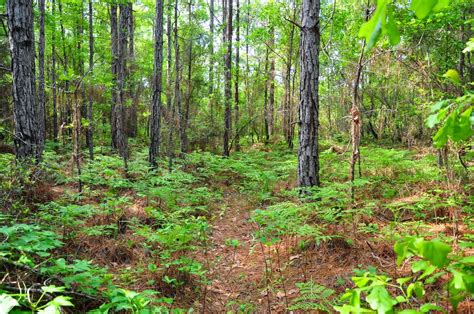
point(169, 104)
point(22, 45)
point(237, 68)
point(115, 56)
point(41, 80)
point(308, 151)
point(228, 80)
point(155, 118)
point(177, 89)
point(53, 76)
point(271, 87)
point(121, 82)
point(189, 90)
point(211, 61)
point(76, 138)
point(287, 107)
point(90, 127)
point(66, 103)
point(266, 115)
point(356, 119)
point(133, 89)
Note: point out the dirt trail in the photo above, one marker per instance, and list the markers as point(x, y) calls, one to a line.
point(235, 272)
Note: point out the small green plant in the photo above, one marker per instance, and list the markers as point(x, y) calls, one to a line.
point(433, 261)
point(133, 302)
point(313, 297)
point(25, 298)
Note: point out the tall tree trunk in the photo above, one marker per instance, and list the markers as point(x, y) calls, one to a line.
point(90, 127)
point(247, 65)
point(66, 103)
point(53, 75)
point(189, 81)
point(177, 88)
point(271, 88)
point(228, 80)
point(155, 118)
point(237, 68)
point(211, 61)
point(266, 115)
point(169, 103)
point(356, 121)
point(133, 90)
point(308, 151)
point(120, 116)
point(287, 107)
point(115, 56)
point(22, 45)
point(41, 84)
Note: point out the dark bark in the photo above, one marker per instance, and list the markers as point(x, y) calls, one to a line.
point(189, 90)
point(41, 79)
point(120, 117)
point(155, 117)
point(133, 90)
point(169, 103)
point(266, 116)
point(66, 103)
point(228, 80)
point(22, 45)
point(90, 128)
point(237, 68)
point(308, 151)
point(114, 47)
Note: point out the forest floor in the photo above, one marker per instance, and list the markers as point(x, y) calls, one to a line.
point(234, 235)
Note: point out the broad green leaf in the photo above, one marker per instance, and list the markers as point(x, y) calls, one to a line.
point(453, 75)
point(372, 29)
point(392, 30)
point(435, 251)
point(380, 300)
point(423, 8)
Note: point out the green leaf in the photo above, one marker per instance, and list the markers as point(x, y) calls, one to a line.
point(372, 29)
point(52, 289)
point(7, 303)
point(435, 251)
point(453, 75)
point(441, 5)
point(404, 280)
point(425, 308)
point(432, 120)
point(423, 8)
point(392, 30)
point(380, 300)
point(416, 288)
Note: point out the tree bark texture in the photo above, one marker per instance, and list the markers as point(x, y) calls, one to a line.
point(22, 45)
point(228, 80)
point(155, 118)
point(90, 127)
point(237, 68)
point(41, 79)
point(308, 152)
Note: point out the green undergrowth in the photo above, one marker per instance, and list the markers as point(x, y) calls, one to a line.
point(130, 239)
